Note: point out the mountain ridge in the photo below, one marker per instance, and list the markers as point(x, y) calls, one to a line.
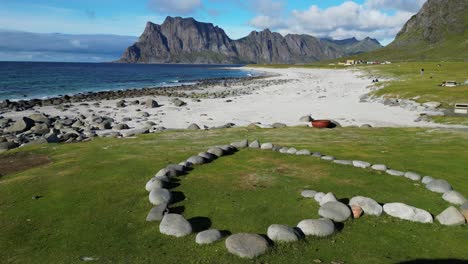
point(185, 40)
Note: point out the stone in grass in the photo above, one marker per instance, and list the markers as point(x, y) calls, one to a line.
point(454, 197)
point(308, 194)
point(303, 152)
point(317, 227)
point(175, 225)
point(255, 144)
point(246, 245)
point(329, 197)
point(451, 216)
point(336, 211)
point(439, 186)
point(412, 176)
point(318, 196)
point(427, 179)
point(368, 205)
point(208, 236)
point(156, 213)
point(218, 152)
point(407, 212)
point(343, 162)
point(159, 196)
point(395, 173)
point(282, 233)
point(228, 149)
point(379, 167)
point(284, 150)
point(361, 164)
point(266, 146)
point(207, 156)
point(196, 160)
point(317, 154)
point(154, 183)
point(186, 164)
point(240, 144)
point(292, 151)
point(328, 158)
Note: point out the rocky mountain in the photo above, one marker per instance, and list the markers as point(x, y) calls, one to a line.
point(438, 31)
point(185, 40)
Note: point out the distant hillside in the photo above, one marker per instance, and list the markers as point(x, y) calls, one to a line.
point(438, 32)
point(185, 40)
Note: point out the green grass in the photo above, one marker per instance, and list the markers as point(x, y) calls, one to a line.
point(95, 204)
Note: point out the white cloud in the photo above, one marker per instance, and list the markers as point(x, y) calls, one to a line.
point(175, 7)
point(346, 20)
point(403, 5)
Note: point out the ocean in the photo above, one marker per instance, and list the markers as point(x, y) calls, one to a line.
point(30, 80)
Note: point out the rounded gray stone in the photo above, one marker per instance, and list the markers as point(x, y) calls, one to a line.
point(412, 176)
point(368, 205)
point(159, 196)
point(218, 152)
point(407, 212)
point(317, 227)
point(395, 173)
point(207, 156)
point(451, 216)
point(282, 233)
point(156, 213)
point(336, 211)
point(153, 183)
point(454, 197)
point(284, 150)
point(175, 225)
point(266, 146)
point(196, 160)
point(246, 245)
point(303, 152)
point(255, 144)
point(308, 193)
point(208, 236)
point(343, 162)
point(379, 167)
point(291, 151)
point(329, 197)
point(241, 144)
point(328, 158)
point(427, 179)
point(439, 186)
point(361, 164)
point(318, 196)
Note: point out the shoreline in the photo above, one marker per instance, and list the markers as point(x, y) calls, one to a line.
point(284, 97)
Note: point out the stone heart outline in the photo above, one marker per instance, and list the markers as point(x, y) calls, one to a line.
point(252, 245)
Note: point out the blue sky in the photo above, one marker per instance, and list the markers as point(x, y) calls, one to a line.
point(380, 19)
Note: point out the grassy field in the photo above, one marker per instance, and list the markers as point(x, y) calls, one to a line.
point(94, 204)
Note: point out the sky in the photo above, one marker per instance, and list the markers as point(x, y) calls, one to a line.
point(380, 19)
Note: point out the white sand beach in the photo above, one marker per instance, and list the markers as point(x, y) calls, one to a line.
point(321, 93)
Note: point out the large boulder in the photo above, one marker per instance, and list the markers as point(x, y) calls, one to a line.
point(412, 176)
point(379, 167)
point(454, 197)
point(159, 196)
point(329, 197)
point(175, 225)
point(21, 125)
point(218, 152)
point(266, 146)
point(317, 227)
point(292, 151)
point(395, 173)
point(361, 164)
point(427, 179)
point(255, 144)
point(39, 118)
point(308, 193)
point(368, 205)
point(156, 213)
point(150, 103)
point(407, 212)
point(336, 211)
point(282, 233)
point(154, 183)
point(451, 216)
point(208, 236)
point(246, 245)
point(196, 160)
point(439, 186)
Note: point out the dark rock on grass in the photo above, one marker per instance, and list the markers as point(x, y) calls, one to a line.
point(157, 213)
point(451, 216)
point(218, 152)
point(21, 125)
point(317, 227)
point(175, 225)
point(246, 245)
point(208, 236)
point(197, 160)
point(4, 146)
point(193, 127)
point(335, 211)
point(207, 156)
point(283, 233)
